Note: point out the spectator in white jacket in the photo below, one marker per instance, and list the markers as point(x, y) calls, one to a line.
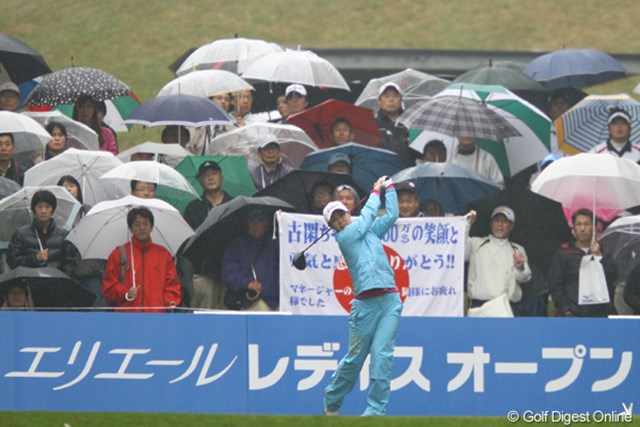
point(469, 156)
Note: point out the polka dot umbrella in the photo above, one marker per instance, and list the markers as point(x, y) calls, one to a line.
point(64, 87)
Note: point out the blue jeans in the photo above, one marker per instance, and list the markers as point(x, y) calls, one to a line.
point(373, 324)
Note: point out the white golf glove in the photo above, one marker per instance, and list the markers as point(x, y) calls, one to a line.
point(386, 181)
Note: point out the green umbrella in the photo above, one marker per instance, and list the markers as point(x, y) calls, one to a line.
point(507, 77)
point(237, 179)
point(513, 154)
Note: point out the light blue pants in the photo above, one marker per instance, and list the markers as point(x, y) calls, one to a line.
point(373, 324)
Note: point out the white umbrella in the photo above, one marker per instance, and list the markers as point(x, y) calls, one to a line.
point(28, 134)
point(105, 227)
point(601, 182)
point(15, 210)
point(79, 136)
point(169, 154)
point(295, 66)
point(295, 144)
point(172, 186)
point(205, 83)
point(415, 86)
point(227, 54)
point(85, 166)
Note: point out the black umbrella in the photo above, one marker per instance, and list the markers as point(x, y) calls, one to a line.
point(222, 224)
point(65, 86)
point(295, 187)
point(49, 287)
point(540, 225)
point(20, 60)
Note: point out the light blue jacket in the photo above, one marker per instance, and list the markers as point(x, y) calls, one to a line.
point(361, 244)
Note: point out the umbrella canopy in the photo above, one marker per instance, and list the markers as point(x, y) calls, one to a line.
point(237, 179)
point(295, 187)
point(318, 121)
point(28, 134)
point(586, 125)
point(367, 163)
point(85, 166)
point(172, 187)
point(169, 154)
point(227, 54)
point(20, 61)
point(294, 143)
point(540, 226)
point(8, 187)
point(180, 110)
point(448, 184)
point(295, 66)
point(223, 223)
point(15, 209)
point(415, 85)
point(621, 242)
point(65, 86)
point(205, 83)
point(574, 68)
point(105, 226)
point(516, 152)
point(49, 287)
point(457, 116)
point(600, 182)
point(502, 76)
point(79, 135)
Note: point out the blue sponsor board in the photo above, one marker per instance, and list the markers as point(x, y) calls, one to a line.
point(280, 364)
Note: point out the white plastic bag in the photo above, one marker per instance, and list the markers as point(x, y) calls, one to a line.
point(592, 285)
point(496, 307)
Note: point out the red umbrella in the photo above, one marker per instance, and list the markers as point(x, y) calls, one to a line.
point(317, 121)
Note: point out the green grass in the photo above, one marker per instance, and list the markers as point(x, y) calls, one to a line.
point(137, 40)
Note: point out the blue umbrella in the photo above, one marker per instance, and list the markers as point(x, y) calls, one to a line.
point(574, 68)
point(179, 110)
point(367, 163)
point(448, 184)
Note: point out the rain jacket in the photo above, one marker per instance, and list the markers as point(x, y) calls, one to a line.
point(237, 271)
point(263, 178)
point(361, 245)
point(395, 138)
point(156, 277)
point(24, 245)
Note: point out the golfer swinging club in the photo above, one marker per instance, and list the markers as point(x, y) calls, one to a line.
point(376, 309)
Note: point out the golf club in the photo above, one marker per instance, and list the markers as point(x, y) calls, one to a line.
point(299, 261)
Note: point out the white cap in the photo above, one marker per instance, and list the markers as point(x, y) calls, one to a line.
point(295, 88)
point(506, 211)
point(10, 86)
point(387, 86)
point(619, 114)
point(331, 208)
point(267, 139)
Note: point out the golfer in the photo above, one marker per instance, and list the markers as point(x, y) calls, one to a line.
point(376, 309)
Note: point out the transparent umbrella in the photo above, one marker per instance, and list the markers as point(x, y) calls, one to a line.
point(205, 83)
point(169, 154)
point(79, 135)
point(28, 134)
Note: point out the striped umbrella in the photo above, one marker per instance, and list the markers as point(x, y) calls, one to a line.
point(516, 152)
point(586, 124)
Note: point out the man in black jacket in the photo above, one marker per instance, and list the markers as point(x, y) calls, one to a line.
point(42, 243)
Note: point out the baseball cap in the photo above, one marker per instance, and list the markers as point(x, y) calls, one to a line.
point(10, 86)
point(506, 211)
point(209, 164)
point(267, 139)
point(618, 113)
point(295, 88)
point(388, 85)
point(407, 186)
point(331, 208)
point(339, 157)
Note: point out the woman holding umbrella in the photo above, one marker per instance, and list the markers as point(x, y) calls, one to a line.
point(59, 140)
point(85, 111)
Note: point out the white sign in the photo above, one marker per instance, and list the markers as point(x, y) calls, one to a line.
point(426, 254)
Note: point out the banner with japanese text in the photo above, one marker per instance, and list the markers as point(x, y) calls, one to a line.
point(426, 255)
point(280, 364)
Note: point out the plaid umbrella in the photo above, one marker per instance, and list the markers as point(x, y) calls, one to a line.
point(586, 124)
point(457, 116)
point(64, 87)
